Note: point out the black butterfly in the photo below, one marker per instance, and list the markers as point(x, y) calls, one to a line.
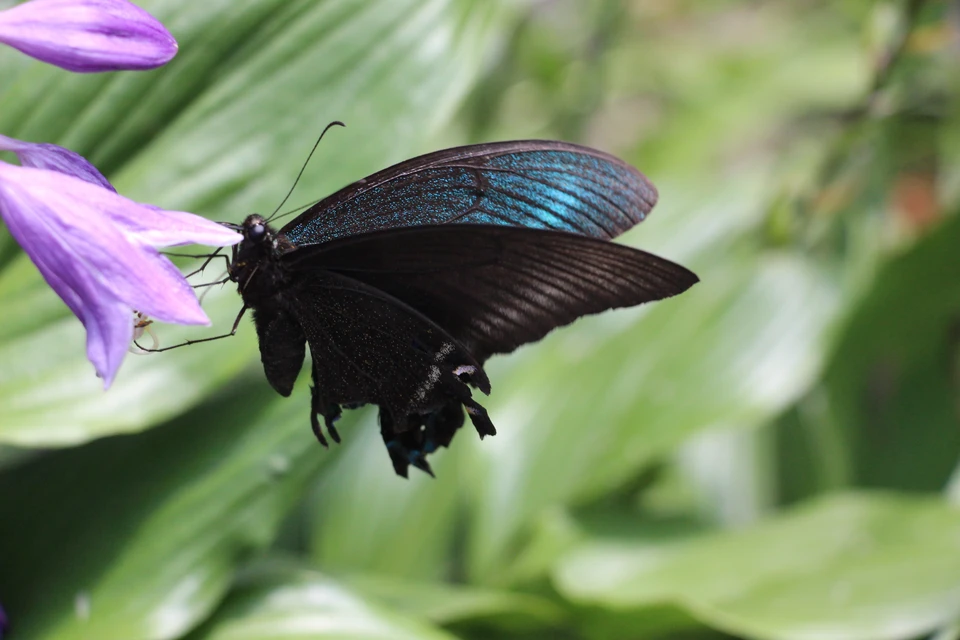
point(404, 283)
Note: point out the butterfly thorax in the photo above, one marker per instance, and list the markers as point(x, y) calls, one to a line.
point(256, 267)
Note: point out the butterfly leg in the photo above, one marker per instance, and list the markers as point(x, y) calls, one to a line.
point(331, 413)
point(315, 424)
point(329, 410)
point(330, 417)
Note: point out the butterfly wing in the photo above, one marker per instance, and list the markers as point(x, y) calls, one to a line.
point(406, 281)
point(494, 288)
point(534, 183)
point(368, 347)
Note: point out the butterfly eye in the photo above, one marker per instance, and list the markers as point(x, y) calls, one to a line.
point(256, 232)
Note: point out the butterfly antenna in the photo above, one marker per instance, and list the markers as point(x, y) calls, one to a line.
point(302, 207)
point(304, 167)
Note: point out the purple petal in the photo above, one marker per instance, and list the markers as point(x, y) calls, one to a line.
point(162, 228)
point(157, 228)
point(88, 35)
point(42, 155)
point(105, 318)
point(101, 268)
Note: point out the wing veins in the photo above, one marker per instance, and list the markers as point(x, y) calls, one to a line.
point(599, 194)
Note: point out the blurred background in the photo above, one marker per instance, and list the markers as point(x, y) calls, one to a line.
point(772, 455)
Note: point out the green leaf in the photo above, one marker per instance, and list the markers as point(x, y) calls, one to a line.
point(136, 537)
point(364, 515)
point(285, 603)
point(848, 567)
point(600, 401)
point(461, 605)
point(886, 413)
point(889, 382)
point(49, 391)
point(222, 131)
point(394, 72)
point(598, 404)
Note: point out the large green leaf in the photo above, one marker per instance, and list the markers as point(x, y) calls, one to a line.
point(847, 567)
point(462, 606)
point(365, 516)
point(222, 131)
point(49, 391)
point(731, 352)
point(601, 400)
point(886, 415)
point(393, 71)
point(136, 537)
point(889, 382)
point(564, 436)
point(277, 603)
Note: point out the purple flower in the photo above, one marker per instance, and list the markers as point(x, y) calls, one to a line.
point(87, 35)
point(98, 250)
point(43, 155)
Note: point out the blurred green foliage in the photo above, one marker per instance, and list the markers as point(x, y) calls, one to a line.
point(772, 455)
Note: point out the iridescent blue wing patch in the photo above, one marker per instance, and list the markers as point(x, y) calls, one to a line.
point(535, 184)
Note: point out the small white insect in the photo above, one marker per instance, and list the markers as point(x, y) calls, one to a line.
point(141, 325)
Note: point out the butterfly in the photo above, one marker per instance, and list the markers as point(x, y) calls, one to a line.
point(404, 283)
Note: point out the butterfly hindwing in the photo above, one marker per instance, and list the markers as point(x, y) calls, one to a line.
point(535, 183)
point(367, 347)
point(495, 288)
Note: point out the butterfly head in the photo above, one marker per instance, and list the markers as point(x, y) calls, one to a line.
point(255, 230)
point(259, 250)
point(260, 239)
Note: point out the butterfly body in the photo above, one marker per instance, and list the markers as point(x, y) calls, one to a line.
point(403, 284)
point(420, 401)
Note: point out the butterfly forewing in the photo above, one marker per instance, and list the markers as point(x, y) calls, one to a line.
point(536, 184)
point(496, 288)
